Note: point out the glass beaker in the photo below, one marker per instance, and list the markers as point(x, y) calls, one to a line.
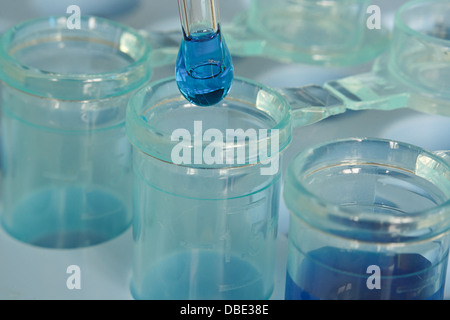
point(66, 158)
point(415, 71)
point(412, 74)
point(369, 219)
point(329, 32)
point(206, 192)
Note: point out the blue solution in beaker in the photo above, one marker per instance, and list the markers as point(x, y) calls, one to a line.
point(75, 189)
point(204, 70)
point(410, 277)
point(202, 275)
point(68, 217)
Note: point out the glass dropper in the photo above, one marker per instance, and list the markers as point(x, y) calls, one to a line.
point(204, 69)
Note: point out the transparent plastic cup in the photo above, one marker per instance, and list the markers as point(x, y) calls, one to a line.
point(66, 158)
point(331, 32)
point(411, 70)
point(370, 220)
point(413, 73)
point(415, 70)
point(206, 227)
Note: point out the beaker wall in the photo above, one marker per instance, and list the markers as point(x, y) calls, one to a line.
point(369, 221)
point(66, 158)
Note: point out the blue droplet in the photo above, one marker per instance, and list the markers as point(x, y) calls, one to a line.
point(204, 70)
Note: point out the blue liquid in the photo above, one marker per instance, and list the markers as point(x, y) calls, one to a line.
point(204, 70)
point(403, 277)
point(70, 217)
point(202, 275)
point(62, 188)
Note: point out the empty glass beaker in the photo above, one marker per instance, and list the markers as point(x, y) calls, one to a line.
point(370, 219)
point(66, 157)
point(206, 192)
point(412, 74)
point(415, 71)
point(330, 32)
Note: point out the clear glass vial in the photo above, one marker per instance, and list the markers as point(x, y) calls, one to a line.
point(66, 157)
point(325, 32)
point(204, 69)
point(414, 72)
point(370, 219)
point(206, 229)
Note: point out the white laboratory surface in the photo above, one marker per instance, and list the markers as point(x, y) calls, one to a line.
point(28, 272)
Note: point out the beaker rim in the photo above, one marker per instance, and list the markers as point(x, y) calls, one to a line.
point(402, 25)
point(321, 213)
point(153, 141)
point(46, 84)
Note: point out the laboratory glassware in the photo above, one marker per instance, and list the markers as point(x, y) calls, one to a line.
point(206, 191)
point(369, 220)
point(168, 193)
point(204, 69)
point(415, 70)
point(331, 32)
point(411, 73)
point(66, 158)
